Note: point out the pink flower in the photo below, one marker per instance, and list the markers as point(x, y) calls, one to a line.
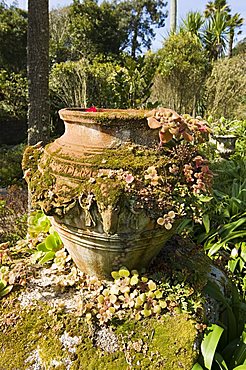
point(198, 160)
point(129, 178)
point(188, 172)
point(203, 129)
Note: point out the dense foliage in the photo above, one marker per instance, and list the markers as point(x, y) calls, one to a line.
point(13, 94)
point(103, 84)
point(109, 39)
point(13, 34)
point(182, 70)
point(226, 88)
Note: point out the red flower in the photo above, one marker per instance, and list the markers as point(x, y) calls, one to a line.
point(91, 109)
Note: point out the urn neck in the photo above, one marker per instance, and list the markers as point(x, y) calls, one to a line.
point(92, 132)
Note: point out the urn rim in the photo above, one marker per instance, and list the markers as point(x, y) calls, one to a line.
point(104, 116)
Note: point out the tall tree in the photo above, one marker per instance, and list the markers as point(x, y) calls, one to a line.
point(38, 71)
point(173, 16)
point(60, 40)
point(181, 73)
point(235, 21)
point(219, 14)
point(215, 6)
point(216, 35)
point(226, 88)
point(193, 23)
point(95, 29)
point(13, 32)
point(140, 18)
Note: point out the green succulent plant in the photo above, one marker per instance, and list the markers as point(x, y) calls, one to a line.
point(134, 296)
point(38, 224)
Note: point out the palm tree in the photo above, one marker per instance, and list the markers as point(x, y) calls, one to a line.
point(38, 71)
point(193, 23)
point(217, 5)
point(216, 35)
point(235, 21)
point(173, 16)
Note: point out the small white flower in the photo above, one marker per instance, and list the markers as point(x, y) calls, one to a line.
point(168, 226)
point(234, 253)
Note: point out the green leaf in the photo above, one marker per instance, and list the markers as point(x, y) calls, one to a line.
point(235, 235)
point(6, 290)
point(206, 222)
point(182, 226)
point(157, 309)
point(115, 275)
point(151, 285)
point(158, 294)
point(213, 291)
point(42, 247)
point(229, 227)
point(232, 264)
point(205, 199)
point(2, 284)
point(144, 279)
point(214, 249)
point(58, 240)
point(229, 350)
point(50, 242)
point(100, 299)
point(239, 355)
point(134, 280)
point(146, 312)
point(240, 367)
point(209, 344)
point(112, 298)
point(243, 251)
point(47, 257)
point(197, 367)
point(220, 361)
point(123, 272)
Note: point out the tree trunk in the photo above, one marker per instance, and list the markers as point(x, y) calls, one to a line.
point(173, 16)
point(231, 40)
point(134, 45)
point(38, 71)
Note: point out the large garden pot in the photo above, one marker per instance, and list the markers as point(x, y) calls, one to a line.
point(97, 183)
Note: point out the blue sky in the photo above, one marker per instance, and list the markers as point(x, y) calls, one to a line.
point(184, 6)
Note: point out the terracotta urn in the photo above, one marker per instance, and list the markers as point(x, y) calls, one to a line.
point(100, 184)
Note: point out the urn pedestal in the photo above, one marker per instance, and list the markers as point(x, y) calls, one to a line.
point(225, 144)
